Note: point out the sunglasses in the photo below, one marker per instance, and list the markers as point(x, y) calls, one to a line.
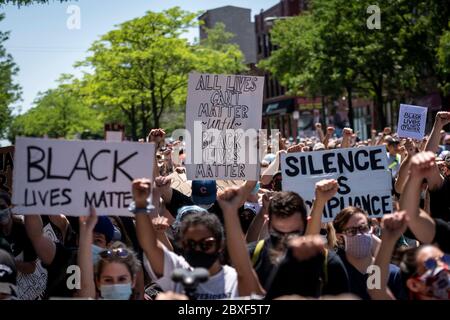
point(204, 244)
point(119, 253)
point(432, 263)
point(280, 234)
point(353, 231)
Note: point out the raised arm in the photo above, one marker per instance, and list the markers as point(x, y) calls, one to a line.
point(393, 226)
point(346, 138)
point(267, 175)
point(44, 247)
point(257, 224)
point(147, 237)
point(163, 186)
point(328, 136)
point(87, 225)
point(420, 223)
point(325, 190)
point(441, 120)
point(319, 132)
point(248, 283)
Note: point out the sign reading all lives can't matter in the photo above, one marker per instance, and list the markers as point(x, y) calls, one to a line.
point(362, 174)
point(223, 116)
point(67, 177)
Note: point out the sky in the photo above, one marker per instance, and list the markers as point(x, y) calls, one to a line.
point(44, 47)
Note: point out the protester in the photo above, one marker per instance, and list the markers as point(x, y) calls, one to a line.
point(116, 267)
point(201, 237)
point(8, 276)
point(287, 219)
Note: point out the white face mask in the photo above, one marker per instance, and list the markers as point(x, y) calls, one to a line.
point(116, 291)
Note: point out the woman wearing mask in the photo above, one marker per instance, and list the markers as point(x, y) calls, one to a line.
point(357, 247)
point(116, 268)
point(201, 238)
point(425, 269)
point(356, 243)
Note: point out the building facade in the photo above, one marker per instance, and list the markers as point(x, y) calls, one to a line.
point(237, 21)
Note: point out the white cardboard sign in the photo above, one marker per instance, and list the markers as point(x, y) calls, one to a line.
point(67, 177)
point(362, 174)
point(412, 121)
point(223, 116)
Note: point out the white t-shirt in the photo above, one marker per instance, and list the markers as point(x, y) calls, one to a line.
point(223, 285)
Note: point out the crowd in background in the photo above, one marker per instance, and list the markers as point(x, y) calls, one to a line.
point(254, 239)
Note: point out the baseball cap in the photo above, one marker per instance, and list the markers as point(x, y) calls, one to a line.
point(8, 274)
point(204, 192)
point(104, 226)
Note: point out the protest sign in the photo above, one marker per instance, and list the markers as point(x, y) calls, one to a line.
point(6, 169)
point(362, 174)
point(180, 183)
point(223, 116)
point(67, 177)
point(412, 121)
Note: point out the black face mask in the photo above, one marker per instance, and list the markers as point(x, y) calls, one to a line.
point(200, 259)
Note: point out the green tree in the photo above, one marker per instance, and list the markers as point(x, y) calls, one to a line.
point(141, 68)
point(9, 91)
point(331, 49)
point(58, 113)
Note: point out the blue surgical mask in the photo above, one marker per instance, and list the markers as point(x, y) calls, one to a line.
point(116, 291)
point(96, 253)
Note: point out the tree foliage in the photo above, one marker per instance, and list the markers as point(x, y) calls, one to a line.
point(58, 113)
point(330, 49)
point(9, 90)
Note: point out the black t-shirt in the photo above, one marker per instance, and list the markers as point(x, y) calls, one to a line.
point(442, 236)
point(309, 278)
point(20, 243)
point(358, 280)
point(57, 272)
point(440, 201)
point(268, 271)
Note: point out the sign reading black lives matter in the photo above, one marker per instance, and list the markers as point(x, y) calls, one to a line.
point(223, 116)
point(412, 121)
point(67, 177)
point(362, 174)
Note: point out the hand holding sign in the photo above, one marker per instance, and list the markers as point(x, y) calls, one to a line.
point(141, 192)
point(422, 164)
point(394, 225)
point(89, 221)
point(326, 189)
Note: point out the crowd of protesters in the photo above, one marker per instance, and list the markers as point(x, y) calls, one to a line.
point(254, 239)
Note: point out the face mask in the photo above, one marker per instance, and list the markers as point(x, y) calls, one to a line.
point(5, 215)
point(199, 259)
point(438, 285)
point(116, 291)
point(96, 253)
point(206, 206)
point(358, 246)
